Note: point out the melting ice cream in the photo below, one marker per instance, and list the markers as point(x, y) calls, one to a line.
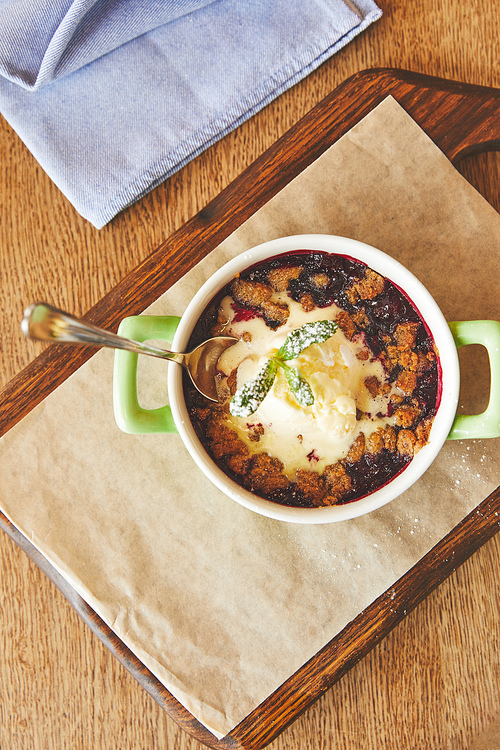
point(313, 436)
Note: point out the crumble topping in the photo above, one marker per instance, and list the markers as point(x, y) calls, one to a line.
point(375, 382)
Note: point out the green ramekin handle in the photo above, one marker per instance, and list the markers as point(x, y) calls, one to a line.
point(487, 424)
point(130, 416)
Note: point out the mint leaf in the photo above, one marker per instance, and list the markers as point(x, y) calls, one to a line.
point(298, 385)
point(249, 397)
point(303, 337)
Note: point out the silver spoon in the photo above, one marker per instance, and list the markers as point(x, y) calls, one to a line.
point(46, 323)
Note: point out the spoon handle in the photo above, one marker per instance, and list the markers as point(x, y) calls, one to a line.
point(46, 323)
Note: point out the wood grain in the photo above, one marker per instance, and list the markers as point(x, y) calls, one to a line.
point(432, 682)
point(461, 119)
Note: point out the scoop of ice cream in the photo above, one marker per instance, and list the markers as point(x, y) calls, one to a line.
point(321, 432)
point(333, 410)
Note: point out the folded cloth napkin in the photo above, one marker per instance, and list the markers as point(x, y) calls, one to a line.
point(114, 96)
point(43, 41)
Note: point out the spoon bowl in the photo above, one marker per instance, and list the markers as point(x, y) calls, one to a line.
point(42, 322)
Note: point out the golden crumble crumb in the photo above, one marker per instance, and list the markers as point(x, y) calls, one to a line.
point(275, 312)
point(368, 287)
point(338, 482)
point(406, 442)
point(361, 318)
point(307, 302)
point(390, 439)
point(407, 382)
point(406, 415)
point(266, 473)
point(346, 324)
point(311, 485)
point(238, 462)
point(408, 359)
point(373, 385)
point(375, 442)
point(406, 334)
point(422, 432)
point(279, 278)
point(357, 449)
point(252, 293)
point(320, 280)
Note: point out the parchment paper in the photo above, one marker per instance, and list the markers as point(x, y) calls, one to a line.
point(221, 604)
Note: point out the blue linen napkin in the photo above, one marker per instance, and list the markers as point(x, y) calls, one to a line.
point(114, 96)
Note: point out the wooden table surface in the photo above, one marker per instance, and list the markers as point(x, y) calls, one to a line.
point(434, 682)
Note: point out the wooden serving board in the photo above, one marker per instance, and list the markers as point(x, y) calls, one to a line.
point(461, 119)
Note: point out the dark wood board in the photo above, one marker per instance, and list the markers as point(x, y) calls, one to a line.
point(461, 119)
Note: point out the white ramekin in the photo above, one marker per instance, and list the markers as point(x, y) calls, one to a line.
point(430, 313)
